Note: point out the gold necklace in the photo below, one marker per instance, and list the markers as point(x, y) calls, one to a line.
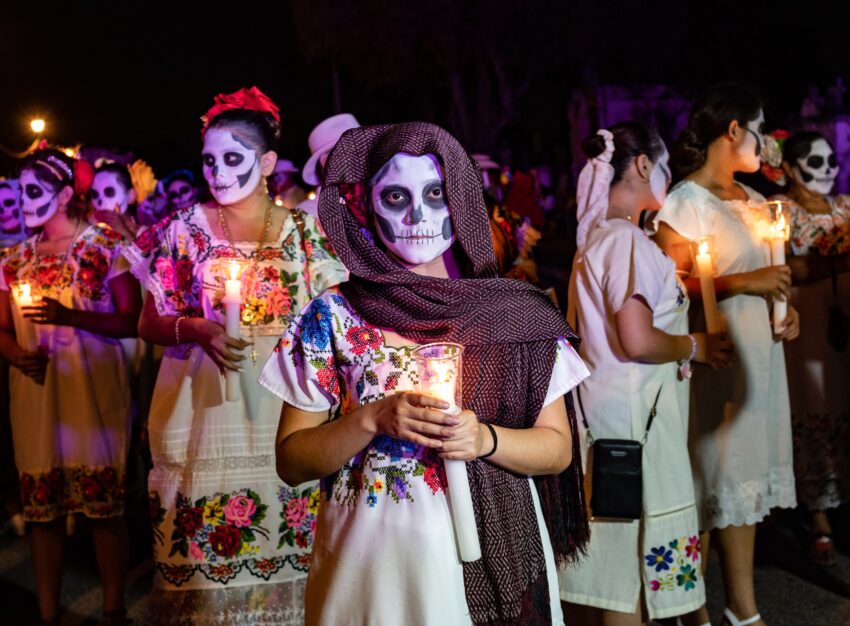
point(267, 222)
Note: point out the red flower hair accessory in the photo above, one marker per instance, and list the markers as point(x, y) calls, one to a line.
point(771, 167)
point(248, 99)
point(83, 177)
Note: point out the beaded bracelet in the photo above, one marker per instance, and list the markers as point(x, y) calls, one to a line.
point(685, 364)
point(177, 329)
point(495, 441)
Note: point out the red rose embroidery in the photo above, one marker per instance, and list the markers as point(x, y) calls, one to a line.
point(363, 337)
point(225, 541)
point(190, 520)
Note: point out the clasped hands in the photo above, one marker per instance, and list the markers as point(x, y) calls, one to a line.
point(422, 419)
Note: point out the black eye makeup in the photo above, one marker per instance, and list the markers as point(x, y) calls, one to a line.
point(815, 162)
point(8, 202)
point(232, 159)
point(94, 194)
point(34, 192)
point(209, 160)
point(109, 192)
point(434, 195)
point(395, 197)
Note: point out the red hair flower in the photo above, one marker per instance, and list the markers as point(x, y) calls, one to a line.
point(83, 177)
point(248, 99)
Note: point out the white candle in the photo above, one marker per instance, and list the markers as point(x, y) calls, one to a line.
point(705, 268)
point(442, 383)
point(24, 294)
point(777, 257)
point(232, 320)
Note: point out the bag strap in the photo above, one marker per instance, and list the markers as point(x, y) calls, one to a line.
point(298, 218)
point(652, 412)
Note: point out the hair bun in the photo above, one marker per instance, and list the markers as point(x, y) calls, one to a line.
point(593, 146)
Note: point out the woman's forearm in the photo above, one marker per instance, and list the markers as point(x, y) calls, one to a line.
point(115, 325)
point(313, 453)
point(529, 451)
point(726, 286)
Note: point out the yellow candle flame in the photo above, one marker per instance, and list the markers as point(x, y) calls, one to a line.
point(703, 247)
point(26, 291)
point(234, 271)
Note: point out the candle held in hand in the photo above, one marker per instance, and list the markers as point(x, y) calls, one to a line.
point(232, 319)
point(705, 268)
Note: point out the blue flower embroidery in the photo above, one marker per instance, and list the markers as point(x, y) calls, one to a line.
point(316, 326)
point(396, 449)
point(371, 500)
point(660, 558)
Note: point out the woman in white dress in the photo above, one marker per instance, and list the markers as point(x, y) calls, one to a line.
point(740, 432)
point(818, 368)
point(69, 386)
point(632, 311)
point(404, 208)
point(231, 541)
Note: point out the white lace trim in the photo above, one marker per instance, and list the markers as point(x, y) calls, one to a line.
point(749, 502)
point(280, 604)
point(229, 463)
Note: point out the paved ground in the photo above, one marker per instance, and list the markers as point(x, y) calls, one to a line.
point(791, 592)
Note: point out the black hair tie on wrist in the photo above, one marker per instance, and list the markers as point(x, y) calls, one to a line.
point(495, 441)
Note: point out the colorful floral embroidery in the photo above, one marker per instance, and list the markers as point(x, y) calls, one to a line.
point(222, 526)
point(826, 234)
point(94, 491)
point(341, 347)
point(222, 573)
point(298, 516)
point(676, 563)
point(85, 271)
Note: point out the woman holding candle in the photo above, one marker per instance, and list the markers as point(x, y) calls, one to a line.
point(403, 206)
point(818, 367)
point(631, 309)
point(230, 539)
point(740, 432)
point(66, 298)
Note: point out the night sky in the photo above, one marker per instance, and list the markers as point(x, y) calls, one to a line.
point(140, 76)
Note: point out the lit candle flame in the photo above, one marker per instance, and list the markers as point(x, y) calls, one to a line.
point(234, 270)
point(703, 247)
point(26, 291)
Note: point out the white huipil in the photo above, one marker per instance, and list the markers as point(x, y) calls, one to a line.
point(740, 434)
point(229, 535)
point(385, 550)
point(660, 552)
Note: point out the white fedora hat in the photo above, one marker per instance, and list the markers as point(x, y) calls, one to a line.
point(322, 139)
point(484, 162)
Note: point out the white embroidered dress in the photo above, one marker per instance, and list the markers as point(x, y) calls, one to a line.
point(385, 550)
point(225, 526)
point(740, 432)
point(658, 555)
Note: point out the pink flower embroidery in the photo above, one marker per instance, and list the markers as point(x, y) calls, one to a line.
point(238, 511)
point(278, 302)
point(654, 585)
point(195, 551)
point(692, 548)
point(296, 511)
point(165, 273)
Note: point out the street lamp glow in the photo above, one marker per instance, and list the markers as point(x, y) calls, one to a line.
point(37, 126)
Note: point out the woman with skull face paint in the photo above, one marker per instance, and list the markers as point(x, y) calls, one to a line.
point(632, 310)
point(112, 196)
point(231, 541)
point(180, 189)
point(818, 368)
point(404, 208)
point(70, 401)
point(12, 227)
point(740, 431)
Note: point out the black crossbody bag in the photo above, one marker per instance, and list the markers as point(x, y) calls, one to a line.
point(617, 474)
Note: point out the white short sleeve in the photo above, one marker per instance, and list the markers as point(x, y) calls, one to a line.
point(569, 370)
point(681, 211)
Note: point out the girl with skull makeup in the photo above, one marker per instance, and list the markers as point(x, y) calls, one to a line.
point(404, 208)
point(740, 431)
point(70, 399)
point(12, 227)
point(231, 541)
point(818, 368)
point(111, 196)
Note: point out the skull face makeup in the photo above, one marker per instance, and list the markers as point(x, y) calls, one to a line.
point(818, 170)
point(10, 207)
point(40, 203)
point(660, 177)
point(751, 145)
point(181, 194)
point(411, 211)
point(231, 167)
point(107, 193)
